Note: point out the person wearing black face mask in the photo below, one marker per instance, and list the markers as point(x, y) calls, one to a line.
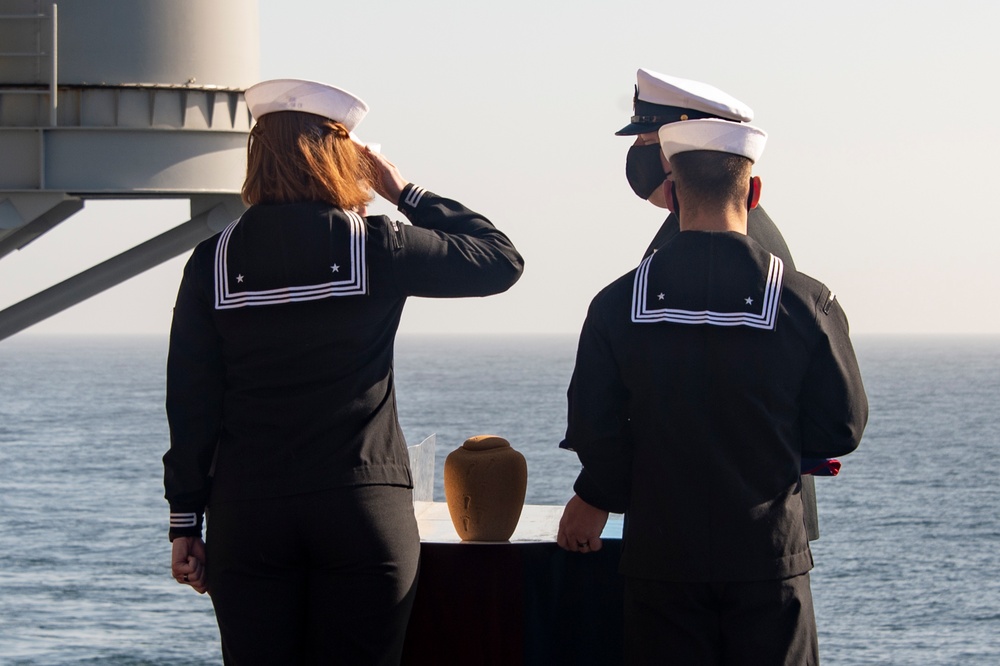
point(660, 99)
point(703, 378)
point(644, 169)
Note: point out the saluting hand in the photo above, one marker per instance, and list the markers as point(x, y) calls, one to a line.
point(389, 183)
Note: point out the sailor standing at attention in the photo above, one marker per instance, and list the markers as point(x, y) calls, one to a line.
point(660, 99)
point(280, 390)
point(702, 378)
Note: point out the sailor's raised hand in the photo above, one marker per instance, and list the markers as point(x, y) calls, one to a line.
point(389, 183)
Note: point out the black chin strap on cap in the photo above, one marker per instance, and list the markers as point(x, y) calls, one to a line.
point(661, 114)
point(677, 204)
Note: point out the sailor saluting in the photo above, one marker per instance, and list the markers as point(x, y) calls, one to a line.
point(280, 394)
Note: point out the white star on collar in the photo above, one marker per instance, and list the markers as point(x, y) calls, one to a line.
point(748, 300)
point(239, 278)
point(335, 268)
point(660, 296)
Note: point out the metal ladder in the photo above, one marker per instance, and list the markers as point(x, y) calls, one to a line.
point(40, 16)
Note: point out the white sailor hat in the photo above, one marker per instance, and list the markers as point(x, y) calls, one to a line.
point(724, 136)
point(308, 97)
point(661, 99)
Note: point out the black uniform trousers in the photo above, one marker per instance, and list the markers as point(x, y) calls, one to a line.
point(751, 623)
point(320, 578)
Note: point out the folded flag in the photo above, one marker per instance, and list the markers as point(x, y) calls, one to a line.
point(821, 466)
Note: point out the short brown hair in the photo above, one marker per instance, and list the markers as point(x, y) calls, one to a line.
point(294, 156)
point(709, 175)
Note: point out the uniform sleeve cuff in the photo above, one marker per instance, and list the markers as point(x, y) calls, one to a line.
point(410, 198)
point(589, 492)
point(184, 524)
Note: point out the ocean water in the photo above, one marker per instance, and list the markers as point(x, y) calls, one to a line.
point(906, 568)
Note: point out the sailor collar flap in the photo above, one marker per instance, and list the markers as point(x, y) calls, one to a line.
point(304, 253)
point(716, 279)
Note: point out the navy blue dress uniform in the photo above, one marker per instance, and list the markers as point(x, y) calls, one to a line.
point(282, 408)
point(660, 99)
point(702, 379)
point(283, 333)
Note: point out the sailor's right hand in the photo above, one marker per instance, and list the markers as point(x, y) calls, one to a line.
point(389, 183)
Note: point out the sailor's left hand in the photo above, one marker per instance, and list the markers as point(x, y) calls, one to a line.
point(581, 526)
point(187, 563)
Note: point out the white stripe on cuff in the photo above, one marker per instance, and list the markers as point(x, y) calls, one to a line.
point(178, 520)
point(414, 196)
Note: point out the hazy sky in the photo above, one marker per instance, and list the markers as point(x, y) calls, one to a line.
point(879, 168)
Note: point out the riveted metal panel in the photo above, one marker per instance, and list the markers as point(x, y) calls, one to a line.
point(20, 167)
point(201, 43)
point(119, 99)
point(144, 161)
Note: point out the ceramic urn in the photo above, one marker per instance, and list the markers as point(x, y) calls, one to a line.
point(484, 484)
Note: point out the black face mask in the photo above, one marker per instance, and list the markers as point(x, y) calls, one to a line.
point(644, 170)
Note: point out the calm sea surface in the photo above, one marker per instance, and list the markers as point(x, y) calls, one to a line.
point(906, 569)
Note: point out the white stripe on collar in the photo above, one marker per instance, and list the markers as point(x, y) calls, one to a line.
point(355, 284)
point(766, 318)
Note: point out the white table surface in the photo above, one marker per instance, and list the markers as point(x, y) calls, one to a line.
point(538, 524)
